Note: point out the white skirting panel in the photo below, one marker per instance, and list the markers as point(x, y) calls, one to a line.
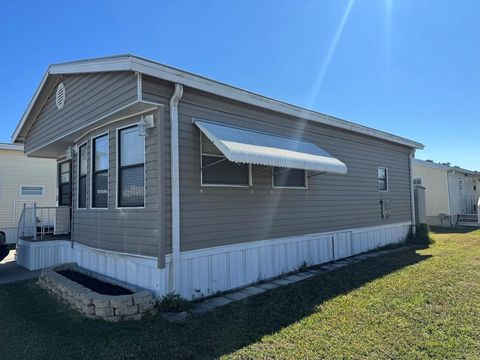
point(43, 254)
point(140, 271)
point(209, 271)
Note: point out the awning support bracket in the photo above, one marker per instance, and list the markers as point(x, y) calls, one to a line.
point(318, 173)
point(214, 163)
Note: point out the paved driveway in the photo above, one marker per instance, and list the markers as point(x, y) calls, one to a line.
point(11, 272)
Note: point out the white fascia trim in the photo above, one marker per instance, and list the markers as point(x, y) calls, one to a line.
point(154, 69)
point(11, 147)
point(30, 106)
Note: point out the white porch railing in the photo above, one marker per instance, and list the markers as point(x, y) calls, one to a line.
point(470, 205)
point(40, 222)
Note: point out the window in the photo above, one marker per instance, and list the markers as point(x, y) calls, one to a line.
point(417, 181)
point(382, 179)
point(64, 188)
point(131, 164)
point(289, 178)
point(100, 172)
point(31, 191)
point(82, 177)
point(218, 170)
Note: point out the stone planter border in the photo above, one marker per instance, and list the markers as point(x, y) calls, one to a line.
point(95, 305)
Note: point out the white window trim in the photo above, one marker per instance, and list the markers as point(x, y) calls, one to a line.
point(250, 182)
point(77, 188)
point(117, 168)
point(386, 179)
point(92, 170)
point(20, 195)
point(292, 187)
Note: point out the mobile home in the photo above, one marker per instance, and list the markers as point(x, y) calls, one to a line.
point(23, 182)
point(451, 193)
point(180, 183)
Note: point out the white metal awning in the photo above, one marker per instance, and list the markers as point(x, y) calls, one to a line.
point(253, 147)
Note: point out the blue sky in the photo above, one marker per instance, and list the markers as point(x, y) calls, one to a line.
point(410, 67)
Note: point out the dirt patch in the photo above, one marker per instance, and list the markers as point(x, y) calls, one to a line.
point(93, 284)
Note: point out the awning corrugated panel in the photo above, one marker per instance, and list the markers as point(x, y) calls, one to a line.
point(252, 147)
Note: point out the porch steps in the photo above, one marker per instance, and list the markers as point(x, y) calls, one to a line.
point(468, 220)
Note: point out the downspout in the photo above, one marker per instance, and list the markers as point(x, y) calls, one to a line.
point(412, 193)
point(175, 188)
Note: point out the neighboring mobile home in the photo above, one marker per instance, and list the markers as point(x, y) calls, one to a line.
point(451, 193)
point(23, 181)
point(180, 183)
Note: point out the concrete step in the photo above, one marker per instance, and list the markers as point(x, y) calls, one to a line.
point(463, 223)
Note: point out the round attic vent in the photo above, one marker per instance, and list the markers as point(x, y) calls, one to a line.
point(60, 98)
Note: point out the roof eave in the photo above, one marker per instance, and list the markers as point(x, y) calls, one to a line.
point(154, 69)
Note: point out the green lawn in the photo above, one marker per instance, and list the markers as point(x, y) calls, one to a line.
point(410, 304)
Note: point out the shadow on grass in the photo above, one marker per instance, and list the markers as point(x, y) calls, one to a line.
point(53, 331)
point(453, 230)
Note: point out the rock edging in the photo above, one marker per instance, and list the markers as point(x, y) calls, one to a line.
point(94, 305)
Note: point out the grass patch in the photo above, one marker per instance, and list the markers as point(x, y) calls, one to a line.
point(410, 304)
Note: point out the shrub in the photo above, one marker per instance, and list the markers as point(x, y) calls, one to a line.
point(174, 303)
point(422, 235)
point(303, 267)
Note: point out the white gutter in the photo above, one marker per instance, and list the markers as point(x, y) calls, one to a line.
point(412, 193)
point(175, 188)
point(11, 147)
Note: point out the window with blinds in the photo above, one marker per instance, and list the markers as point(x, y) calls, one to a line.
point(100, 172)
point(289, 178)
point(131, 168)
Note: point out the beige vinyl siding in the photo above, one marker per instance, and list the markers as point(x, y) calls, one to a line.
point(15, 170)
point(133, 231)
point(88, 97)
point(212, 216)
point(436, 188)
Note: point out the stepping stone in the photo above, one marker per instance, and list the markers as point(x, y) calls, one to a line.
point(236, 296)
point(306, 275)
point(218, 301)
point(282, 282)
point(252, 290)
point(175, 317)
point(294, 278)
point(201, 308)
point(267, 286)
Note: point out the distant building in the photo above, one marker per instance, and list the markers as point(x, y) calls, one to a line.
point(451, 193)
point(23, 180)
